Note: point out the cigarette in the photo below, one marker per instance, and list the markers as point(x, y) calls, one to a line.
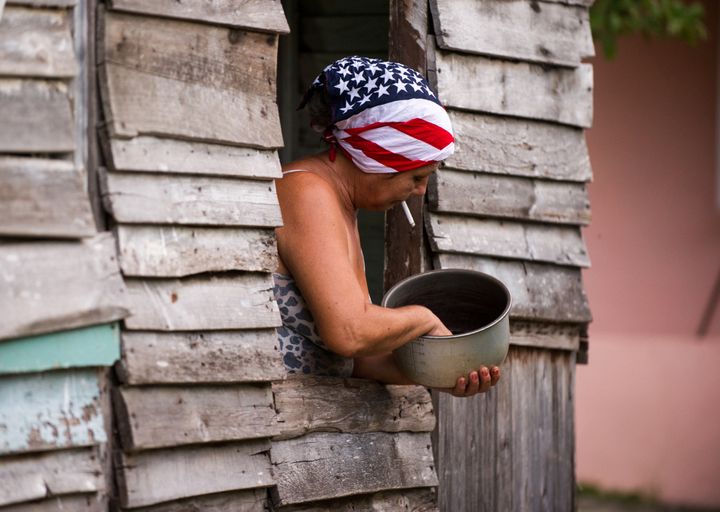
point(408, 214)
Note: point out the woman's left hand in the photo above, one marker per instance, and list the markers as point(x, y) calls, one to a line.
point(476, 382)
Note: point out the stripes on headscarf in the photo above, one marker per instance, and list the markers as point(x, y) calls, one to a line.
point(398, 136)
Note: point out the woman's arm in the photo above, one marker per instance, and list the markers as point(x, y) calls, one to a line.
point(315, 246)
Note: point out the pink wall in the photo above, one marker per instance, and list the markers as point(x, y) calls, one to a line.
point(648, 404)
point(654, 239)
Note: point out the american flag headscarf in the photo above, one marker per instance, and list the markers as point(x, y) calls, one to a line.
point(384, 116)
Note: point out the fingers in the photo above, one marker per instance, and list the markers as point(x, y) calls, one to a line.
point(494, 375)
point(476, 382)
point(459, 389)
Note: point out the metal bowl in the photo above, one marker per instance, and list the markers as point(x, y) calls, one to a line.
point(473, 305)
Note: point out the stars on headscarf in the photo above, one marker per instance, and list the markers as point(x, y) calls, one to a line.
point(356, 83)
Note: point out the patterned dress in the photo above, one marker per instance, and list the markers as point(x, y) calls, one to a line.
point(302, 349)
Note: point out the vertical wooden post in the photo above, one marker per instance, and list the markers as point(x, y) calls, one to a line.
point(403, 244)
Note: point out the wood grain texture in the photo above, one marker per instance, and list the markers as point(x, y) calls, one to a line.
point(174, 251)
point(197, 414)
point(261, 15)
point(520, 30)
point(51, 410)
point(519, 89)
point(553, 336)
point(253, 500)
point(540, 291)
point(317, 404)
point(562, 245)
point(322, 466)
point(52, 286)
point(76, 503)
point(518, 147)
point(36, 43)
point(45, 475)
point(43, 3)
point(36, 116)
point(158, 476)
point(41, 197)
point(409, 500)
point(193, 200)
point(152, 154)
point(224, 80)
point(210, 357)
point(511, 448)
point(243, 301)
point(474, 193)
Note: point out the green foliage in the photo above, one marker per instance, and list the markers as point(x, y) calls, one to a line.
point(610, 19)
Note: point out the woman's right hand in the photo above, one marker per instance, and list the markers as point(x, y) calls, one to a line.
point(439, 328)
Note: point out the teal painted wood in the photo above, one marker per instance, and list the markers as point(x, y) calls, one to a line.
point(97, 345)
point(43, 411)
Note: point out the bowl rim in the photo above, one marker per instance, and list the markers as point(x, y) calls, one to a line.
point(476, 273)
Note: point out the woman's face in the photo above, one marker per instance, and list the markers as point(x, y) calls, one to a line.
point(387, 190)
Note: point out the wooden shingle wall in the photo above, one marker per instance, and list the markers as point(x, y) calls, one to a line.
point(61, 292)
point(190, 139)
point(511, 202)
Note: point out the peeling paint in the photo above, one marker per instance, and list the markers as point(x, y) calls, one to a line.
point(50, 410)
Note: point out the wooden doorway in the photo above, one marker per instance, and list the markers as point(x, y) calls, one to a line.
point(322, 31)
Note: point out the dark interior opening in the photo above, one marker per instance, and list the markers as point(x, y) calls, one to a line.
point(322, 31)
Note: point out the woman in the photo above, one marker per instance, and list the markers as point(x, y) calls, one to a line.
point(387, 134)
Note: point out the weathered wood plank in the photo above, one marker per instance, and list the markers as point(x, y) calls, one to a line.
point(53, 286)
point(43, 3)
point(97, 345)
point(523, 429)
point(545, 335)
point(261, 15)
point(474, 193)
point(317, 404)
point(36, 116)
point(211, 357)
point(410, 500)
point(502, 145)
point(45, 411)
point(173, 251)
point(244, 301)
point(539, 291)
point(197, 415)
point(152, 154)
point(322, 466)
point(75, 503)
point(194, 200)
point(224, 79)
point(162, 475)
point(562, 245)
point(253, 500)
point(42, 197)
point(518, 89)
point(36, 42)
point(530, 31)
point(42, 475)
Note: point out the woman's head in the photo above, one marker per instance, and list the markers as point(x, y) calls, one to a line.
point(383, 115)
